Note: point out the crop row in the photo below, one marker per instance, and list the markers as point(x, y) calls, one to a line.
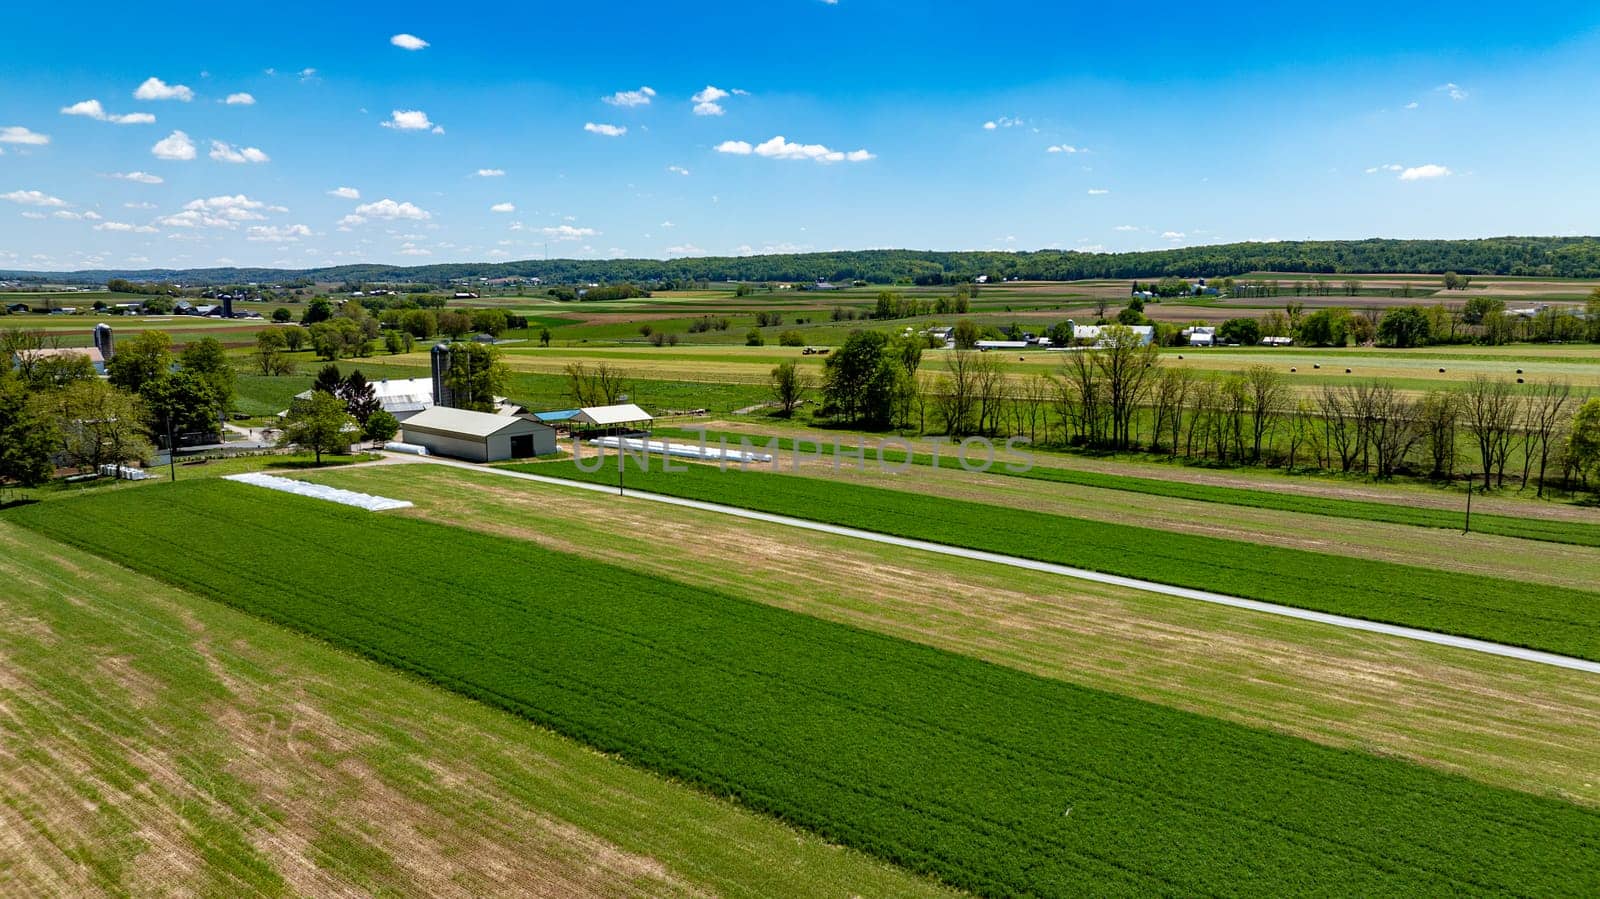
point(994, 780)
point(1538, 616)
point(1547, 530)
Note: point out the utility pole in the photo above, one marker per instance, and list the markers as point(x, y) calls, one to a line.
point(172, 451)
point(1468, 528)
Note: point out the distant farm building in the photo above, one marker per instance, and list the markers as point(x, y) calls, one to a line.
point(477, 436)
point(95, 358)
point(1201, 335)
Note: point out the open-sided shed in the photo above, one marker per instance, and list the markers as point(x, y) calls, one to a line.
point(621, 417)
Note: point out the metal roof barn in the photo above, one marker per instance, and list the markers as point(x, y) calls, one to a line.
point(477, 436)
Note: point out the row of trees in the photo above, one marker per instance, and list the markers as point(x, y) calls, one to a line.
point(1119, 396)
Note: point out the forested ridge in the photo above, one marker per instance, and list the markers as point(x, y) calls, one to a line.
point(1561, 257)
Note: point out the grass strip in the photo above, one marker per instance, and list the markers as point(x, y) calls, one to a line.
point(1537, 616)
point(1549, 531)
point(994, 780)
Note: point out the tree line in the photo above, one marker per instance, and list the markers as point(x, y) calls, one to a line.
point(1119, 396)
point(1554, 257)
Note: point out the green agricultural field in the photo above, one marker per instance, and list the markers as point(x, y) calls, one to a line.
point(1554, 619)
point(991, 779)
point(157, 743)
point(1573, 532)
point(1497, 720)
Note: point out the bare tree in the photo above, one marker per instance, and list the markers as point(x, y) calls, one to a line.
point(1302, 419)
point(1393, 430)
point(1489, 409)
point(990, 384)
point(1438, 417)
point(1339, 423)
point(1171, 394)
point(1128, 365)
point(1080, 397)
point(1267, 396)
point(956, 392)
point(1545, 411)
point(1202, 405)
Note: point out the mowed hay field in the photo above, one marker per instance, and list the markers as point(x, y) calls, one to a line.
point(990, 778)
point(155, 742)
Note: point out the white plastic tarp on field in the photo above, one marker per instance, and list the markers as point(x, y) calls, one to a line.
point(685, 450)
point(320, 491)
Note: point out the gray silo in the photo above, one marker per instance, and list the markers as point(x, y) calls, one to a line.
point(440, 355)
point(103, 340)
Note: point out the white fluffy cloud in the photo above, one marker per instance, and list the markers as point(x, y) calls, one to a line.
point(640, 97)
point(677, 170)
point(93, 110)
point(709, 101)
point(225, 152)
point(503, 207)
point(125, 227)
point(386, 209)
point(156, 89)
point(345, 193)
point(218, 212)
point(137, 177)
point(240, 99)
point(1453, 91)
point(277, 233)
point(33, 198)
point(567, 232)
point(176, 146)
point(1126, 228)
point(1172, 235)
point(1062, 148)
point(1424, 172)
point(411, 120)
point(1391, 167)
point(781, 148)
point(408, 42)
point(1098, 191)
point(16, 134)
point(1002, 122)
point(491, 173)
point(604, 129)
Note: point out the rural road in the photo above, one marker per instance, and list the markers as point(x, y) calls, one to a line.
point(1358, 624)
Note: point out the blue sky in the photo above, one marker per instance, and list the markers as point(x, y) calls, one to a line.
point(666, 129)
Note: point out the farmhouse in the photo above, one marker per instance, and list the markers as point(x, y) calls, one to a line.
point(477, 436)
point(1201, 335)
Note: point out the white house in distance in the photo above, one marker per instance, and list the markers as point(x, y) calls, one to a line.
point(1201, 335)
point(477, 436)
point(1094, 334)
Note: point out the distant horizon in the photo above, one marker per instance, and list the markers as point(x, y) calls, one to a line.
point(573, 260)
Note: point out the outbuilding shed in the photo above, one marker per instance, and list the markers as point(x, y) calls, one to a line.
point(621, 416)
point(477, 436)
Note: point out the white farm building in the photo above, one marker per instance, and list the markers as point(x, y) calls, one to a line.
point(477, 436)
